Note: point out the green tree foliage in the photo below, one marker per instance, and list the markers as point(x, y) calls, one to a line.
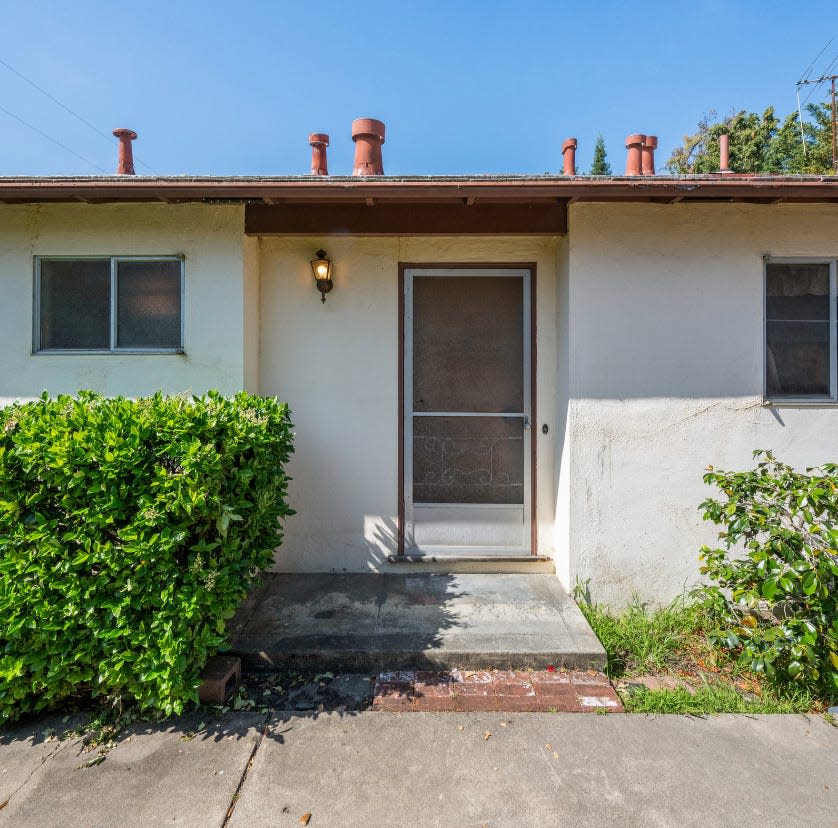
point(130, 530)
point(600, 165)
point(774, 579)
point(759, 144)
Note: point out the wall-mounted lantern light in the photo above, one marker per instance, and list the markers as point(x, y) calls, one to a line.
point(321, 267)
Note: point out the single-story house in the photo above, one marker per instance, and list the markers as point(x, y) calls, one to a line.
point(508, 372)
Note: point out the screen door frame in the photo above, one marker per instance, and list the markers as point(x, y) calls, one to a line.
point(407, 272)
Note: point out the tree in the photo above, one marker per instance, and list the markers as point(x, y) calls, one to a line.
point(600, 165)
point(759, 144)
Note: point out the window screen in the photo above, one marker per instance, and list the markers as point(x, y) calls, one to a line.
point(798, 349)
point(468, 359)
point(108, 304)
point(75, 303)
point(148, 304)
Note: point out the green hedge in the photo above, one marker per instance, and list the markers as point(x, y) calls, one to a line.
point(129, 532)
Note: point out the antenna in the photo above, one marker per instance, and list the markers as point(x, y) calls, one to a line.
point(816, 82)
point(809, 67)
point(805, 80)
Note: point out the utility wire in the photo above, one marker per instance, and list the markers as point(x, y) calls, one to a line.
point(54, 100)
point(50, 138)
point(66, 108)
point(805, 75)
point(823, 79)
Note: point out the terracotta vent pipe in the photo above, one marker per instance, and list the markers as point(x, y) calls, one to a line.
point(647, 155)
point(125, 164)
point(368, 135)
point(634, 145)
point(724, 154)
point(319, 141)
point(569, 153)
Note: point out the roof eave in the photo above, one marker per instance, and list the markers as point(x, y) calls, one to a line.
point(428, 189)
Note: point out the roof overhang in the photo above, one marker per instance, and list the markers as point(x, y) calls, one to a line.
point(392, 205)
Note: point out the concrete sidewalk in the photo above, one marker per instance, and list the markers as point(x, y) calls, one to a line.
point(426, 769)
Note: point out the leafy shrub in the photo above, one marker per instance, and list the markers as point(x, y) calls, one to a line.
point(775, 577)
point(129, 532)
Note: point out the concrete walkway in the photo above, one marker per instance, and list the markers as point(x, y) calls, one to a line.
point(427, 769)
point(421, 621)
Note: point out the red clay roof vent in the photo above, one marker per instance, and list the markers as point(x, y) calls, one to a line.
point(724, 154)
point(368, 135)
point(319, 141)
point(569, 153)
point(647, 155)
point(634, 145)
point(125, 164)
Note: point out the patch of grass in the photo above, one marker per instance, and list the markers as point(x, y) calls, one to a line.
point(712, 698)
point(672, 641)
point(639, 640)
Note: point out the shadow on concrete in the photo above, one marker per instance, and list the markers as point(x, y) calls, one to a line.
point(346, 621)
point(411, 620)
point(34, 739)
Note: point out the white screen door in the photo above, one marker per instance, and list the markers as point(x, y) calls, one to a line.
point(467, 412)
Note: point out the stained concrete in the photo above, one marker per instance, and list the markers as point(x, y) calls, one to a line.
point(25, 747)
point(432, 769)
point(156, 775)
point(435, 621)
point(440, 769)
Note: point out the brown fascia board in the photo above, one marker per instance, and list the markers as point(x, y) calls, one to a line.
point(396, 219)
point(413, 190)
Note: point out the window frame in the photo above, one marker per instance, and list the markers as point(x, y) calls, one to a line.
point(791, 399)
point(114, 290)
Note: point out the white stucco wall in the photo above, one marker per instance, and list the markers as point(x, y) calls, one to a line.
point(337, 367)
point(211, 239)
point(649, 368)
point(252, 312)
point(665, 316)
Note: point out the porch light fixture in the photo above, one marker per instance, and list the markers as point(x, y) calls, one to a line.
point(321, 267)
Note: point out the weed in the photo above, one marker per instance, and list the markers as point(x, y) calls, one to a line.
point(712, 698)
point(640, 640)
point(673, 640)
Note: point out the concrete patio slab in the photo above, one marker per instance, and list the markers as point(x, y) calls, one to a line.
point(432, 621)
point(154, 776)
point(426, 769)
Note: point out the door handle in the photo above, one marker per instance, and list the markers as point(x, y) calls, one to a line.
point(526, 422)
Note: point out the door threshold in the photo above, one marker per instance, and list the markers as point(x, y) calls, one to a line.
point(474, 564)
point(436, 559)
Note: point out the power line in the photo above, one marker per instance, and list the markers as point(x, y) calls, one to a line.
point(805, 75)
point(815, 83)
point(50, 138)
point(818, 81)
point(55, 100)
point(66, 108)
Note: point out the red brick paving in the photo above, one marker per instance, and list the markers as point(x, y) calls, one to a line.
point(470, 691)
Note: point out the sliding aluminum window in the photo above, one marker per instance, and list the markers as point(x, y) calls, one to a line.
point(801, 330)
point(108, 304)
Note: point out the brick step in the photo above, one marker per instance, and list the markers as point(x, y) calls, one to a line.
point(465, 691)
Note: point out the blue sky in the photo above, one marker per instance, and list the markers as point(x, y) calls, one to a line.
point(465, 87)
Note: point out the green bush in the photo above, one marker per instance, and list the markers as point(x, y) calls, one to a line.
point(775, 578)
point(129, 532)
